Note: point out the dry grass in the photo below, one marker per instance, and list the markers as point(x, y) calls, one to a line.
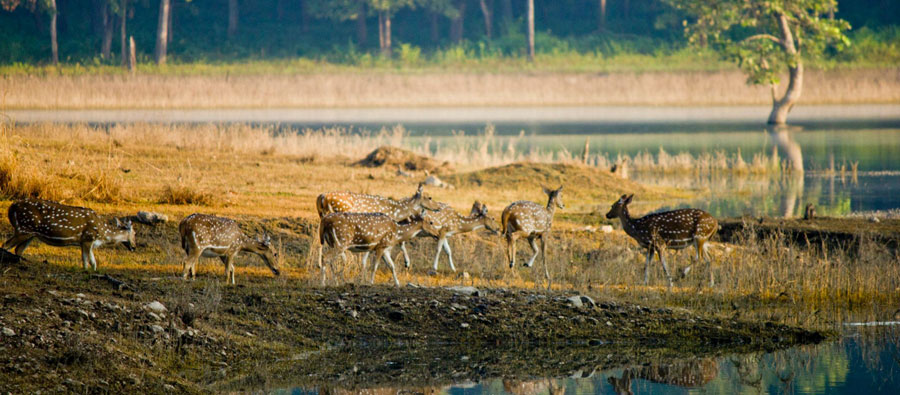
point(269, 181)
point(433, 89)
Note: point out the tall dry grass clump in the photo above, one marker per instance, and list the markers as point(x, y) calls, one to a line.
point(187, 195)
point(18, 181)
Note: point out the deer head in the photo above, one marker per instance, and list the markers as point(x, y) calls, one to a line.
point(124, 233)
point(619, 206)
point(420, 200)
point(481, 211)
point(555, 197)
point(263, 247)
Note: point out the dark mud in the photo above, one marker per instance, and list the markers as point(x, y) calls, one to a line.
point(834, 233)
point(73, 331)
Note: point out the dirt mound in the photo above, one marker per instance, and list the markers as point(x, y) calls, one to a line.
point(584, 183)
point(393, 157)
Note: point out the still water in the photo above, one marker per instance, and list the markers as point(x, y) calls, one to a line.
point(862, 362)
point(827, 141)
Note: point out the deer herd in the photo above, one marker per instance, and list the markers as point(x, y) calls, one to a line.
point(361, 223)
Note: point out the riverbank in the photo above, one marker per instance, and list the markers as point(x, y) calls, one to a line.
point(433, 89)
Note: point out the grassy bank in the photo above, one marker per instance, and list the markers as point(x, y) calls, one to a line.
point(430, 88)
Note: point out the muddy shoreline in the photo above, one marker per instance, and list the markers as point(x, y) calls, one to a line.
point(69, 326)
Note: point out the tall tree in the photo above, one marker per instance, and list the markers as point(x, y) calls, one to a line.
point(766, 37)
point(601, 15)
point(54, 47)
point(530, 4)
point(487, 13)
point(456, 21)
point(123, 18)
point(36, 7)
point(107, 17)
point(162, 32)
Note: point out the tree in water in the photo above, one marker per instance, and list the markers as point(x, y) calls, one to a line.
point(766, 37)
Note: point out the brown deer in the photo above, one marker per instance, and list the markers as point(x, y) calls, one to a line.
point(449, 222)
point(367, 232)
point(60, 225)
point(530, 220)
point(675, 229)
point(211, 236)
point(398, 210)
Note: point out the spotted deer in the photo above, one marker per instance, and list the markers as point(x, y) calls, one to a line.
point(367, 232)
point(398, 210)
point(675, 230)
point(60, 225)
point(530, 220)
point(210, 236)
point(449, 222)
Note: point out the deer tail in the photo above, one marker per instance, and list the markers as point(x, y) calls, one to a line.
point(321, 205)
point(504, 221)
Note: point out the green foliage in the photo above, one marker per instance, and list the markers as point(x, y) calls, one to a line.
point(764, 37)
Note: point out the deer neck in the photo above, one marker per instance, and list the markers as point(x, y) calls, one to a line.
point(551, 207)
point(404, 208)
point(408, 230)
point(627, 223)
point(111, 235)
point(468, 224)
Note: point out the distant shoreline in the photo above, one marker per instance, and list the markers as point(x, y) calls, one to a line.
point(319, 91)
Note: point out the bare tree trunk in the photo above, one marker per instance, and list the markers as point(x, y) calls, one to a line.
point(362, 31)
point(384, 33)
point(435, 27)
point(123, 48)
point(132, 55)
point(456, 24)
point(601, 15)
point(106, 43)
point(488, 25)
point(54, 48)
point(232, 18)
point(781, 107)
point(162, 32)
point(171, 20)
point(530, 30)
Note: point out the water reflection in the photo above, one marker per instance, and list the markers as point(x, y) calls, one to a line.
point(863, 362)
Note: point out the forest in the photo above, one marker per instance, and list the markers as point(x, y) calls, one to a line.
point(346, 31)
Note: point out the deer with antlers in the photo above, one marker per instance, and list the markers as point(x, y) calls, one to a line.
point(532, 221)
point(675, 229)
point(367, 232)
point(211, 236)
point(449, 222)
point(61, 225)
point(397, 210)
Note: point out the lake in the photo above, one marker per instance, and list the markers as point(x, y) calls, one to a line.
point(829, 141)
point(864, 361)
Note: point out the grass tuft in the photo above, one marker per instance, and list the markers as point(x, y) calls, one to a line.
point(186, 195)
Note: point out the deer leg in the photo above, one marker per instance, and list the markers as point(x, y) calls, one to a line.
point(437, 257)
point(511, 249)
point(534, 248)
point(228, 260)
point(390, 262)
point(17, 241)
point(93, 260)
point(647, 265)
point(662, 258)
point(379, 255)
point(405, 254)
point(187, 265)
point(20, 249)
point(449, 254)
point(544, 260)
point(701, 250)
point(85, 254)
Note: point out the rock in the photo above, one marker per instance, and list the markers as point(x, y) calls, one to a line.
point(9, 332)
point(156, 307)
point(150, 218)
point(433, 180)
point(874, 220)
point(606, 228)
point(464, 325)
point(471, 291)
point(169, 388)
point(80, 296)
point(581, 301)
point(354, 313)
point(154, 316)
point(157, 329)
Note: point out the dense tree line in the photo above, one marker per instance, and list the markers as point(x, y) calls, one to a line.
point(81, 30)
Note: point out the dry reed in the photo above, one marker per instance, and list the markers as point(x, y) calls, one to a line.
point(433, 89)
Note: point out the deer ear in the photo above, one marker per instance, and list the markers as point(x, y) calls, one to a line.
point(484, 210)
point(559, 189)
point(546, 190)
point(420, 189)
point(628, 199)
point(118, 222)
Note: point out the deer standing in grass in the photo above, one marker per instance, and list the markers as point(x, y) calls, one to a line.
point(675, 229)
point(449, 222)
point(211, 237)
point(367, 232)
point(397, 210)
point(60, 225)
point(530, 220)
